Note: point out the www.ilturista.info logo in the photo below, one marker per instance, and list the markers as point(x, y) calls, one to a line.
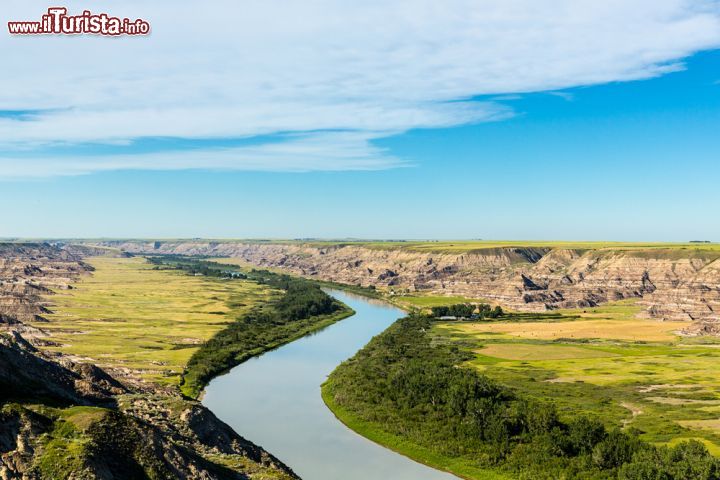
point(58, 22)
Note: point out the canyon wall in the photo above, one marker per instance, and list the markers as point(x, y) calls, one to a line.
point(28, 271)
point(671, 283)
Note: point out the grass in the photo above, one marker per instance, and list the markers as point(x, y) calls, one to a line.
point(509, 351)
point(631, 330)
point(63, 448)
point(129, 315)
point(605, 363)
point(712, 448)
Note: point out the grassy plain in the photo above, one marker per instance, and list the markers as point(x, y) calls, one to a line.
point(129, 315)
point(626, 371)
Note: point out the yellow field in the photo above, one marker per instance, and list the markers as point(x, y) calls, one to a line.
point(518, 351)
point(131, 316)
point(633, 329)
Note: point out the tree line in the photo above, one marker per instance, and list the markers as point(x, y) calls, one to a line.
point(468, 310)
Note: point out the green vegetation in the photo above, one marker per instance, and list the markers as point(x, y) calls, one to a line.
point(301, 309)
point(405, 390)
point(667, 392)
point(479, 312)
point(132, 315)
point(630, 372)
point(75, 438)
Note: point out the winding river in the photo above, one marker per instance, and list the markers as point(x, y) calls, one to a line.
point(274, 400)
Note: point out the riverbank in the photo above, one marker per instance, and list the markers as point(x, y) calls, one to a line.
point(397, 444)
point(193, 386)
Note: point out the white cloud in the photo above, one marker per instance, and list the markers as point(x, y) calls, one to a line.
point(330, 151)
point(223, 68)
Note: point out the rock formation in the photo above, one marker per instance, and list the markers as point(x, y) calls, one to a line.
point(670, 283)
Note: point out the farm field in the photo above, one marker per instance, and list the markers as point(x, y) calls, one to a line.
point(625, 371)
point(148, 322)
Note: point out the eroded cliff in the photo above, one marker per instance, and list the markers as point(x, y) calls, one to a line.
point(671, 283)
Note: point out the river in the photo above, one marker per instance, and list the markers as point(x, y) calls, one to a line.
point(274, 400)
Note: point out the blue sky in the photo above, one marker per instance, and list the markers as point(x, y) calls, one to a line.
point(621, 147)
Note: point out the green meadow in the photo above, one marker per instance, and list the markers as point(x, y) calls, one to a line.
point(628, 372)
point(145, 320)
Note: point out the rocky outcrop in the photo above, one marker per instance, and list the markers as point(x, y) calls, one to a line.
point(25, 373)
point(672, 283)
point(28, 271)
point(40, 443)
point(143, 437)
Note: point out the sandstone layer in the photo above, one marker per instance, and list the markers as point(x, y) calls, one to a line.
point(670, 283)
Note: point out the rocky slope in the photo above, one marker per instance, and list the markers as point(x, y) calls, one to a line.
point(63, 419)
point(671, 283)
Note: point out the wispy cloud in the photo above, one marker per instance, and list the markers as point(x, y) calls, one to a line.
point(224, 69)
point(324, 151)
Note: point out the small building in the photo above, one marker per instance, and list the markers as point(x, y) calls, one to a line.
point(448, 317)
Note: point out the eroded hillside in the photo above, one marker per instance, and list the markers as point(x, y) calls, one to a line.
point(672, 283)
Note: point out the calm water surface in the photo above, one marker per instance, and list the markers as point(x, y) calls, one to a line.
point(274, 400)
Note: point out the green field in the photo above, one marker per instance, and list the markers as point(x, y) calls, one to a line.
point(129, 315)
point(626, 371)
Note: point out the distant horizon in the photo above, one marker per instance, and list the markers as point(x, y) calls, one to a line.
point(20, 239)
